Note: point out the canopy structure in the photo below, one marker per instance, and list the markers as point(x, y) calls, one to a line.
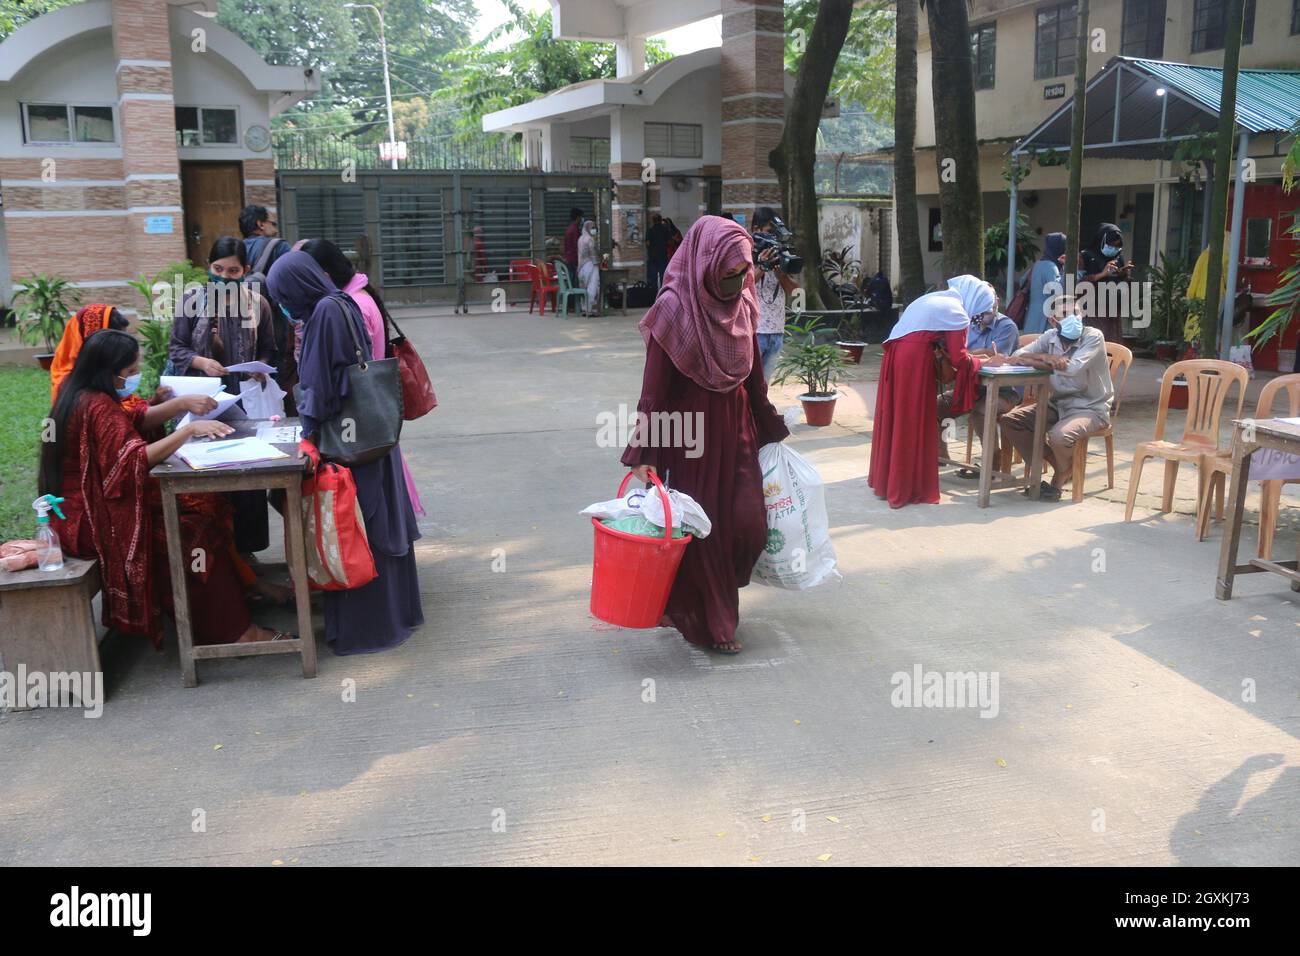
point(1142, 109)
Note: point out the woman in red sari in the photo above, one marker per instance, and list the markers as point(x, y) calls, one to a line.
point(702, 363)
point(100, 464)
point(905, 430)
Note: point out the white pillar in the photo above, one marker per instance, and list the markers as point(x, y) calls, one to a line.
point(630, 55)
point(1234, 245)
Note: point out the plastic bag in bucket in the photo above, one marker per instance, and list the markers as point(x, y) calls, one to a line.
point(632, 575)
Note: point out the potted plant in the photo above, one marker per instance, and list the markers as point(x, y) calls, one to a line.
point(44, 304)
point(1169, 306)
point(850, 340)
point(818, 366)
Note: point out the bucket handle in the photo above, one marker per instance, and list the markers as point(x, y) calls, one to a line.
point(668, 508)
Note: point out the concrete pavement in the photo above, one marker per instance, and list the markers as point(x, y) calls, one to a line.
point(1137, 720)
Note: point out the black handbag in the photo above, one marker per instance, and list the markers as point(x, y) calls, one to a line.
point(369, 423)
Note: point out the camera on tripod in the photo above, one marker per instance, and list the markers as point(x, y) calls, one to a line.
point(780, 239)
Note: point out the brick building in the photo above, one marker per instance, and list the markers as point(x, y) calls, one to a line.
point(131, 133)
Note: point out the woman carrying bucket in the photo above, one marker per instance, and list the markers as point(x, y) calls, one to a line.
point(702, 364)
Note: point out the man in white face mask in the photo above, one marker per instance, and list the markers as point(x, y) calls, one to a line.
point(1081, 391)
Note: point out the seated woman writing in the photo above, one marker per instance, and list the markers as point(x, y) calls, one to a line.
point(100, 461)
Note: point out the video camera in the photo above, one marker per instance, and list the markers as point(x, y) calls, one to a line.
point(780, 239)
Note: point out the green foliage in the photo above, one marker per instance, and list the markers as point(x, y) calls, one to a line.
point(1286, 297)
point(519, 61)
point(1169, 303)
point(818, 367)
point(15, 13)
point(155, 335)
point(24, 403)
point(995, 249)
point(864, 72)
point(44, 305)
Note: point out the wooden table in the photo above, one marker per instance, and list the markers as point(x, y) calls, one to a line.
point(1249, 435)
point(176, 477)
point(614, 276)
point(992, 380)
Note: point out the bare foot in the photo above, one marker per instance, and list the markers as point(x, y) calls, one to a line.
point(727, 647)
point(255, 634)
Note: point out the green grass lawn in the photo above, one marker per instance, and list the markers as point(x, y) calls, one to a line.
point(24, 403)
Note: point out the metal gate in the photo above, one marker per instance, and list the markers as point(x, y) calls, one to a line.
point(419, 233)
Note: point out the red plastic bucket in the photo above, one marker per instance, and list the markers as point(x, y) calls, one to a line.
point(631, 574)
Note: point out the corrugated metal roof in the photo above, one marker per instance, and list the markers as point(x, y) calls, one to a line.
point(1268, 101)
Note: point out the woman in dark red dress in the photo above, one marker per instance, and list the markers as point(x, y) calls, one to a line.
point(905, 429)
point(703, 369)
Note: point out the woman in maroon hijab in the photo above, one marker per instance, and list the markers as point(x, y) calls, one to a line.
point(704, 388)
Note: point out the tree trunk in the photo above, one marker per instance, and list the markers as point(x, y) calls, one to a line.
point(1233, 19)
point(1072, 213)
point(956, 148)
point(795, 158)
point(906, 213)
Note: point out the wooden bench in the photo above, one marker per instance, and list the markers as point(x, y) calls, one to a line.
point(47, 623)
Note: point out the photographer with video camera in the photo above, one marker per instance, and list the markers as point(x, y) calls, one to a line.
point(772, 282)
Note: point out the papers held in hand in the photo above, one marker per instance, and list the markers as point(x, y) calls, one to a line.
point(223, 454)
point(224, 401)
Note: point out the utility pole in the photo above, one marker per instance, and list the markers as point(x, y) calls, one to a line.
point(388, 87)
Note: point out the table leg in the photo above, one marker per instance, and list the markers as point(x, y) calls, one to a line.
point(1036, 459)
point(988, 460)
point(297, 558)
point(180, 595)
point(1236, 507)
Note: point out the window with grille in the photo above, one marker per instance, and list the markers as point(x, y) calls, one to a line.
point(556, 208)
point(1143, 32)
point(1208, 26)
point(338, 215)
point(983, 54)
point(506, 215)
point(1054, 41)
point(676, 140)
point(411, 238)
point(589, 152)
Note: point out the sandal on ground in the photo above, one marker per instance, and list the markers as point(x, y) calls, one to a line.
point(1047, 491)
point(967, 473)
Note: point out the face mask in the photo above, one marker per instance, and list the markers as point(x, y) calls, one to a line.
point(132, 383)
point(1070, 327)
point(222, 279)
point(731, 285)
point(1109, 251)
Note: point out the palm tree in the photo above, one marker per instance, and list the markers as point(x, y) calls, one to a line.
point(957, 155)
point(912, 280)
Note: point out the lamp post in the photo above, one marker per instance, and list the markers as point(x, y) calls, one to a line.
point(388, 89)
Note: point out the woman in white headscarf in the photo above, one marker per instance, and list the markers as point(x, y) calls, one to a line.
point(589, 266)
point(930, 333)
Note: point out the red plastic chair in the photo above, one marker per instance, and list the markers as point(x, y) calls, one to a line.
point(544, 284)
point(519, 272)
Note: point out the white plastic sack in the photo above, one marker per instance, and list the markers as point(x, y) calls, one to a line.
point(687, 513)
point(647, 503)
point(1242, 355)
point(261, 401)
point(799, 553)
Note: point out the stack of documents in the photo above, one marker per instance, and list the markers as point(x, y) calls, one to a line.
point(222, 454)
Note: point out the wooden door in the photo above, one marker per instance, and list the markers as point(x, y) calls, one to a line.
point(212, 194)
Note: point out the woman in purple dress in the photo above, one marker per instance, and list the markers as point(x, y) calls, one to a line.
point(383, 613)
point(703, 367)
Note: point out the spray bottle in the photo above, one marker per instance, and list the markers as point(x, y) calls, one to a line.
point(49, 555)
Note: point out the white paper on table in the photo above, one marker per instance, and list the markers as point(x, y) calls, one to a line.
point(1289, 421)
point(224, 401)
point(994, 370)
point(191, 384)
point(252, 367)
point(262, 400)
point(279, 434)
point(234, 451)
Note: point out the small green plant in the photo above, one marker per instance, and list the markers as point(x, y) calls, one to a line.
point(818, 367)
point(44, 304)
point(184, 272)
point(995, 249)
point(1169, 302)
point(155, 336)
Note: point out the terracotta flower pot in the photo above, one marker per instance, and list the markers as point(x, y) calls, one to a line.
point(1178, 395)
point(46, 360)
point(853, 350)
point(818, 409)
point(1166, 351)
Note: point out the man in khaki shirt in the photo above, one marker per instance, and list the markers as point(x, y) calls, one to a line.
point(1081, 393)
